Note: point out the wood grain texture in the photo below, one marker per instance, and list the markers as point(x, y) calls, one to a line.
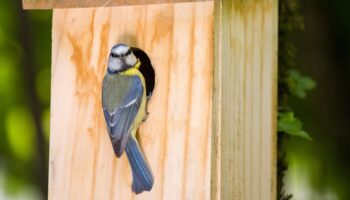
point(50, 4)
point(176, 136)
point(244, 100)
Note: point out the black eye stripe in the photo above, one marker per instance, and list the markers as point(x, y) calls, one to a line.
point(128, 53)
point(114, 55)
point(123, 55)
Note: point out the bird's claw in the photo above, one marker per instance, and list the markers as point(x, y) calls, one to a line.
point(145, 117)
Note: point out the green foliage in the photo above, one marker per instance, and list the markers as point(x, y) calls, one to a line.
point(287, 123)
point(290, 82)
point(289, 17)
point(298, 84)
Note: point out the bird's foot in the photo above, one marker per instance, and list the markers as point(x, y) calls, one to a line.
point(145, 117)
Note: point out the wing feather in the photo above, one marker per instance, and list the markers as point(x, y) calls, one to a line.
point(121, 117)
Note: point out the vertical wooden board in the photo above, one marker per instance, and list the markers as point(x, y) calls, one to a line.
point(176, 136)
point(245, 96)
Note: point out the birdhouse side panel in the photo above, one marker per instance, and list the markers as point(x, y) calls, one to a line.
point(245, 96)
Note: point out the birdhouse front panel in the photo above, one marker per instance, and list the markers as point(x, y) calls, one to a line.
point(176, 136)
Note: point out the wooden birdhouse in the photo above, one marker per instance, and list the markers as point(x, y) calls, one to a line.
point(211, 131)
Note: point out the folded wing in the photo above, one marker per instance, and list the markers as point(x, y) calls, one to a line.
point(121, 100)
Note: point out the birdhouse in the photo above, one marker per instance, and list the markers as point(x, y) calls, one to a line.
point(211, 128)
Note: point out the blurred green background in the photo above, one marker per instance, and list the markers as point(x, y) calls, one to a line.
point(25, 53)
point(316, 170)
point(320, 169)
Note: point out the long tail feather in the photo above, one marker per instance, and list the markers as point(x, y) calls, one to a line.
point(141, 172)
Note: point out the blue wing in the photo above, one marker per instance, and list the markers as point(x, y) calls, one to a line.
point(120, 119)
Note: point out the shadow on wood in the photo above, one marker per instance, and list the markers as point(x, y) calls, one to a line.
point(146, 69)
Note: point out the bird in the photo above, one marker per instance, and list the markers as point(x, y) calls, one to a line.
point(124, 107)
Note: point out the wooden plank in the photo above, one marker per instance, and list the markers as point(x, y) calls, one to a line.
point(50, 4)
point(176, 136)
point(245, 100)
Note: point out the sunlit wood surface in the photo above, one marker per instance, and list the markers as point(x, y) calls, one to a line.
point(176, 136)
point(245, 100)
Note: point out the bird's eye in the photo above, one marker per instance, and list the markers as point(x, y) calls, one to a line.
point(128, 53)
point(114, 55)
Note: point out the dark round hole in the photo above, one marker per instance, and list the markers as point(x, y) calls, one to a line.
point(146, 69)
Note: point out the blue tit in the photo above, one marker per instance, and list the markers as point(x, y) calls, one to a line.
point(124, 107)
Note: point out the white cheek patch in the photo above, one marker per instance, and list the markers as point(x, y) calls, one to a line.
point(114, 65)
point(131, 60)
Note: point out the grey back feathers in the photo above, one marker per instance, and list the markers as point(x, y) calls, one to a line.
point(121, 100)
point(114, 89)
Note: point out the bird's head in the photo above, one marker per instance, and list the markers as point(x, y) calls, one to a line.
point(121, 58)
